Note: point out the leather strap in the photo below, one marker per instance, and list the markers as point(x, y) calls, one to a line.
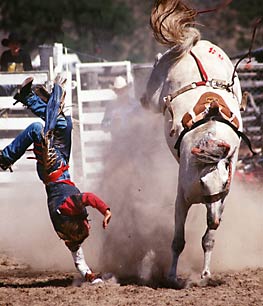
point(205, 120)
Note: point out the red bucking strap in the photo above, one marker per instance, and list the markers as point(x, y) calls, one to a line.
point(201, 68)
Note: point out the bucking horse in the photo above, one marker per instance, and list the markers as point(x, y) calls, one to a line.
point(195, 86)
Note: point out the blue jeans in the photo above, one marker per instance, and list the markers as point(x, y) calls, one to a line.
point(38, 107)
point(8, 90)
point(32, 134)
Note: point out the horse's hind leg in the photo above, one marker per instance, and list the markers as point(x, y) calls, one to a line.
point(181, 210)
point(208, 242)
point(214, 212)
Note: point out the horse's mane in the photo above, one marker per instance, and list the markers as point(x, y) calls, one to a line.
point(172, 23)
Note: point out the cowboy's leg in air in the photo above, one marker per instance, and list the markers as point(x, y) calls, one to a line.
point(36, 104)
point(11, 153)
point(32, 133)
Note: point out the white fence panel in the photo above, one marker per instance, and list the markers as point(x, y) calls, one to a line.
point(94, 91)
point(15, 118)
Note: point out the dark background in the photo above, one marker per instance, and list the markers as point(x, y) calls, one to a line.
point(119, 29)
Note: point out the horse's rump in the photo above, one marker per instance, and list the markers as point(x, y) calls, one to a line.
point(211, 150)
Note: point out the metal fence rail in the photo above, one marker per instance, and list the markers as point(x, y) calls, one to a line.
point(93, 94)
point(251, 78)
point(13, 119)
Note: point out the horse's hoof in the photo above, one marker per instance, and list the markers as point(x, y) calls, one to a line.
point(205, 274)
point(175, 282)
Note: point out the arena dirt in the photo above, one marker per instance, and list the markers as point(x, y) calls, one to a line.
point(20, 285)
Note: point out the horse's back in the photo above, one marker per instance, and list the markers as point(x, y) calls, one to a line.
point(216, 65)
point(213, 59)
point(171, 74)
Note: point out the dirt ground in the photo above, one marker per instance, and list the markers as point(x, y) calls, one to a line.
point(21, 285)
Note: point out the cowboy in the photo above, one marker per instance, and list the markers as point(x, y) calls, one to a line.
point(118, 111)
point(52, 144)
point(15, 58)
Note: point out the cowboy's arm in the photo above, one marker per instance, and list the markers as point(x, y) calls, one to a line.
point(90, 199)
point(73, 208)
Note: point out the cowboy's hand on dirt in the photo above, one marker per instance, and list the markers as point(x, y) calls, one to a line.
point(107, 218)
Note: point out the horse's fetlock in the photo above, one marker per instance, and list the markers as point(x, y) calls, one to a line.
point(213, 225)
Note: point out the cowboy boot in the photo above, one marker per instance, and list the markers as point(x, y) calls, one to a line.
point(4, 163)
point(24, 91)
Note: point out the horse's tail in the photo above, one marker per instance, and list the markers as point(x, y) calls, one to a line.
point(172, 23)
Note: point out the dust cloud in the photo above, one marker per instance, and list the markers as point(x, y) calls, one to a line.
point(139, 183)
point(26, 232)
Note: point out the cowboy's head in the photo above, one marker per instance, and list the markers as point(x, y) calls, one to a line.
point(13, 42)
point(120, 85)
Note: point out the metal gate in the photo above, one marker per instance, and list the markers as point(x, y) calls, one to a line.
point(14, 119)
point(251, 78)
point(93, 93)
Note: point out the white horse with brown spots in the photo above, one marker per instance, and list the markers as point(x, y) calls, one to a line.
point(194, 85)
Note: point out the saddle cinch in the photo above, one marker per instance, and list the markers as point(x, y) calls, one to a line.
point(209, 104)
